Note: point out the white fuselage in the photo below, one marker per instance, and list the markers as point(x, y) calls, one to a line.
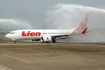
point(36, 34)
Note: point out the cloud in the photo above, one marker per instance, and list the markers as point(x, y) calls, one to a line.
point(11, 24)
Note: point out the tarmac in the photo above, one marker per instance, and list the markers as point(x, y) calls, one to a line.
point(51, 56)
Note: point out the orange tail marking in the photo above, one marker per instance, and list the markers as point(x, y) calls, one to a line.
point(81, 28)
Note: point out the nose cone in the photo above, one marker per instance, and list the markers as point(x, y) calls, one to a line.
point(7, 36)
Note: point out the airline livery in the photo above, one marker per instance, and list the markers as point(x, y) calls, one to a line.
point(50, 35)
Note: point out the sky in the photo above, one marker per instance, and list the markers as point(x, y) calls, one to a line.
point(36, 8)
point(36, 13)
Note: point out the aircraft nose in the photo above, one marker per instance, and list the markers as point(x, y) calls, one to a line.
point(7, 35)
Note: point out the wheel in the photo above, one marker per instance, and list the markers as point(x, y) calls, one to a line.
point(47, 42)
point(14, 41)
point(54, 41)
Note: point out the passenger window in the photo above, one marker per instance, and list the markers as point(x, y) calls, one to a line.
point(44, 33)
point(11, 33)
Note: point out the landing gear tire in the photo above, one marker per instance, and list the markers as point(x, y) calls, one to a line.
point(47, 42)
point(15, 42)
point(54, 41)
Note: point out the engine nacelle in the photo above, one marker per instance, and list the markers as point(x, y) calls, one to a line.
point(47, 38)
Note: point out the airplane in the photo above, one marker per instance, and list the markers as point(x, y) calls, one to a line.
point(48, 35)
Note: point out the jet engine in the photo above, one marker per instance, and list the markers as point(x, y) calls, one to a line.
point(46, 38)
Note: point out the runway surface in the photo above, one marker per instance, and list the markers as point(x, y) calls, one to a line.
point(49, 56)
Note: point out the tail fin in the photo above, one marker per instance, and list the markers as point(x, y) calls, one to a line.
point(82, 27)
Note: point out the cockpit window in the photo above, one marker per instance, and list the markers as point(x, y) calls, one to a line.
point(11, 33)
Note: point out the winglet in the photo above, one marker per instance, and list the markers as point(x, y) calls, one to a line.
point(82, 27)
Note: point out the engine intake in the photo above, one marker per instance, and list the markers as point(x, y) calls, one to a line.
point(46, 38)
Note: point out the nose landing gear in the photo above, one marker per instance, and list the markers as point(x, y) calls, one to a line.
point(14, 42)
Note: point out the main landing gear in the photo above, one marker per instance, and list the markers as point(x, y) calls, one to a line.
point(47, 42)
point(54, 41)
